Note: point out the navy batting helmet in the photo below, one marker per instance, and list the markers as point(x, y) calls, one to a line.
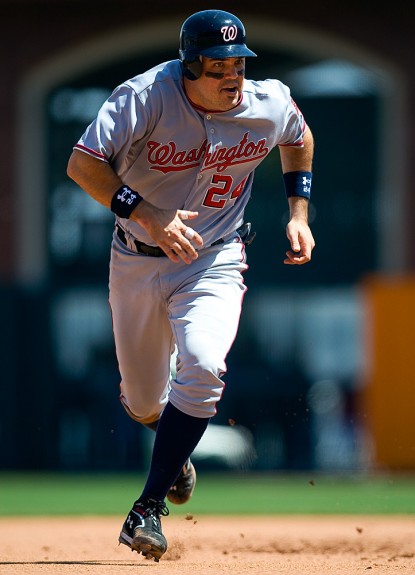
point(211, 33)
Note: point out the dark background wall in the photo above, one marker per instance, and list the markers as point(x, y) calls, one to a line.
point(51, 418)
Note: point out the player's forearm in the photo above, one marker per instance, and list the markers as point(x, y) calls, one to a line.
point(98, 179)
point(94, 176)
point(298, 208)
point(294, 159)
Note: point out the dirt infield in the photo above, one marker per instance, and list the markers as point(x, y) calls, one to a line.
point(212, 546)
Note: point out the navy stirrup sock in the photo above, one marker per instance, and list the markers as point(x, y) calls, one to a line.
point(177, 436)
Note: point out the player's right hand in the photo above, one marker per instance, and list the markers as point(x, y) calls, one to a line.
point(168, 230)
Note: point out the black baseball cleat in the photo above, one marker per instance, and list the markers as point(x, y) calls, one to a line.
point(182, 489)
point(142, 529)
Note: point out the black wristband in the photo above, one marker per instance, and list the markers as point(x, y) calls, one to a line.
point(298, 184)
point(124, 201)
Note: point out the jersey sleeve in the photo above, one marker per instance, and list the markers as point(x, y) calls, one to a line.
point(120, 121)
point(276, 103)
point(295, 126)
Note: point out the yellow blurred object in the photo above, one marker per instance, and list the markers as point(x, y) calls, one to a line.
point(389, 381)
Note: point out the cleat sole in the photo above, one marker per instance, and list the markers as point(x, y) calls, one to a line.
point(148, 550)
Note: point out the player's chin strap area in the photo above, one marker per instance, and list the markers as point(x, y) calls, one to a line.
point(244, 233)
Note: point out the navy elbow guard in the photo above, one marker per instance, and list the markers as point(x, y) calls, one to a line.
point(298, 184)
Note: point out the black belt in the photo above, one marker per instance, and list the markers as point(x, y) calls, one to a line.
point(153, 251)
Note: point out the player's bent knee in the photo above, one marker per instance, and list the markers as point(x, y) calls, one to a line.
point(139, 415)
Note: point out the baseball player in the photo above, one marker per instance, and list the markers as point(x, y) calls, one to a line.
point(172, 153)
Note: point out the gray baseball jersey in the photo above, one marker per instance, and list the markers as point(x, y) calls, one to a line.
point(178, 156)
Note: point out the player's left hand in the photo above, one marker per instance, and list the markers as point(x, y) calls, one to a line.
point(302, 242)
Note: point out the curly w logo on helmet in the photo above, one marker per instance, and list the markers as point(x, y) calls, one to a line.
point(229, 33)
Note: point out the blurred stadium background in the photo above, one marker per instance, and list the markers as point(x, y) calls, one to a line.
point(321, 376)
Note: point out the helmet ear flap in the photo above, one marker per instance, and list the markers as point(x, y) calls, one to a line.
point(192, 70)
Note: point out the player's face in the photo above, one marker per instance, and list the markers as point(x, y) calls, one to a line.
point(220, 84)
